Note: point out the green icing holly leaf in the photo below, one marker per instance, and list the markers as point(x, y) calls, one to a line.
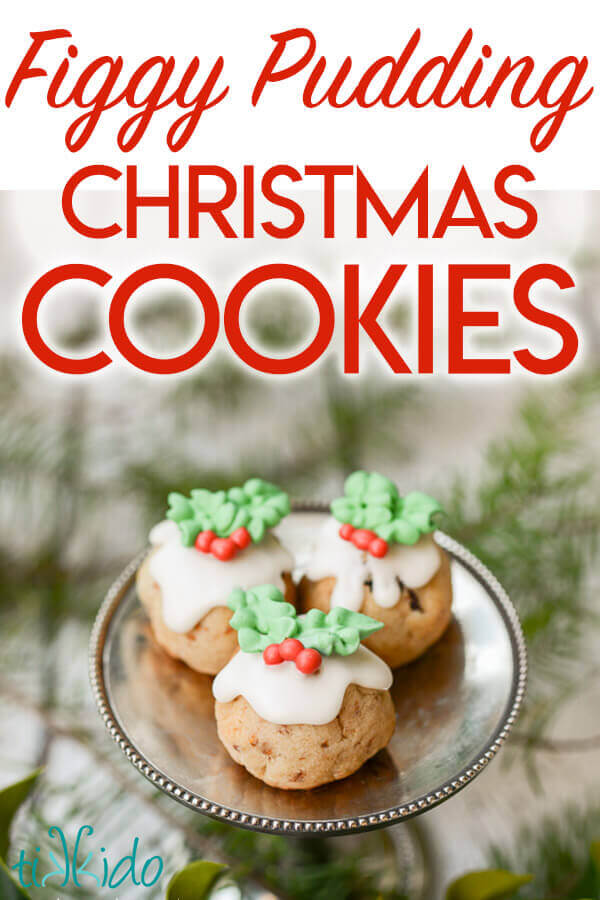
point(224, 516)
point(256, 505)
point(189, 528)
point(256, 528)
point(240, 520)
point(254, 487)
point(261, 617)
point(339, 631)
point(344, 509)
point(405, 532)
point(356, 484)
point(179, 507)
point(376, 516)
point(367, 500)
point(361, 484)
point(372, 501)
point(419, 509)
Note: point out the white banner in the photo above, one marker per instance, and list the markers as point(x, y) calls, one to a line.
point(344, 83)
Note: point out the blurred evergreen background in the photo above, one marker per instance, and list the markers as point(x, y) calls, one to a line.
point(84, 472)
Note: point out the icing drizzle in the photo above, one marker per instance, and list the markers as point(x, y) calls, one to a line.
point(284, 696)
point(412, 564)
point(193, 583)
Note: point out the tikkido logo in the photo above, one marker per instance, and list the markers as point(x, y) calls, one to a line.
point(70, 866)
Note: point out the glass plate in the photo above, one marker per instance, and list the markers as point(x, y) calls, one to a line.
point(454, 708)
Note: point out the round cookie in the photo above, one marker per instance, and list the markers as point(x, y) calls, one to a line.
point(377, 555)
point(417, 620)
point(303, 703)
point(209, 544)
point(296, 757)
point(208, 645)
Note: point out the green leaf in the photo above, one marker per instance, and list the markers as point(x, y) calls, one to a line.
point(356, 484)
point(382, 498)
point(237, 599)
point(320, 640)
point(217, 498)
point(241, 519)
point(269, 612)
point(377, 515)
point(11, 799)
point(280, 502)
point(405, 533)
point(190, 529)
point(342, 509)
point(589, 883)
point(281, 629)
point(314, 618)
point(382, 485)
point(256, 529)
point(194, 882)
point(201, 499)
point(346, 641)
point(251, 640)
point(9, 889)
point(346, 618)
point(358, 518)
point(268, 515)
point(254, 486)
point(372, 501)
point(179, 507)
point(224, 517)
point(261, 616)
point(386, 531)
point(340, 631)
point(243, 618)
point(256, 506)
point(419, 509)
point(264, 592)
point(491, 884)
point(236, 495)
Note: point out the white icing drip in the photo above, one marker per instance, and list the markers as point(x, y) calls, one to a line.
point(283, 695)
point(414, 565)
point(192, 583)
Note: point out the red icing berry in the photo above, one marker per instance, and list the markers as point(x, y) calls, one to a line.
point(346, 531)
point(362, 538)
point(378, 547)
point(308, 661)
point(272, 655)
point(290, 648)
point(204, 540)
point(241, 537)
point(223, 548)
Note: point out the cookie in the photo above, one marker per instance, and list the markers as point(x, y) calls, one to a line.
point(413, 624)
point(377, 554)
point(294, 757)
point(303, 703)
point(210, 543)
point(210, 643)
